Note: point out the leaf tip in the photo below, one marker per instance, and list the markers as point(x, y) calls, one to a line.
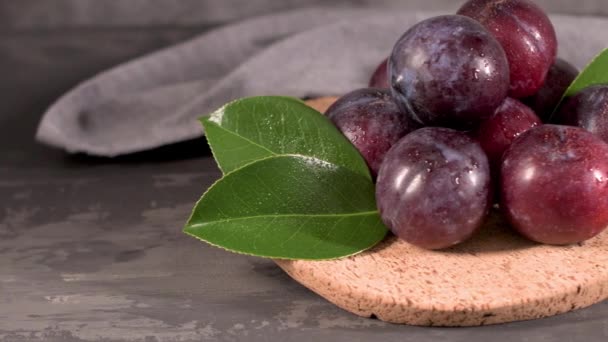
point(186, 229)
point(217, 116)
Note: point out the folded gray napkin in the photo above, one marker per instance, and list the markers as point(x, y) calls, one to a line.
point(155, 100)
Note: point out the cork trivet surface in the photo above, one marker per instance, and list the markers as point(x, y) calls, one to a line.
point(321, 103)
point(497, 276)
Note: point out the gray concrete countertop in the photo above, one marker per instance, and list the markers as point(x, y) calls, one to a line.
point(92, 250)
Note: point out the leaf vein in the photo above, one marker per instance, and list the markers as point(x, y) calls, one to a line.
point(336, 215)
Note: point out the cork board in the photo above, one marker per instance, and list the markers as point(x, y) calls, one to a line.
point(497, 276)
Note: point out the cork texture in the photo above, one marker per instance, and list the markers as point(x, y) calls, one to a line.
point(322, 103)
point(497, 276)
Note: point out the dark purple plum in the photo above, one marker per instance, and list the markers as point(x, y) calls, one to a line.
point(497, 133)
point(449, 71)
point(587, 109)
point(433, 188)
point(380, 77)
point(560, 76)
point(555, 184)
point(527, 36)
point(371, 120)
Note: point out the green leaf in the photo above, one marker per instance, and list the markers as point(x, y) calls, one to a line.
point(294, 187)
point(594, 73)
point(254, 128)
point(290, 207)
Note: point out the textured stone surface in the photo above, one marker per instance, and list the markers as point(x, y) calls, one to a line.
point(91, 249)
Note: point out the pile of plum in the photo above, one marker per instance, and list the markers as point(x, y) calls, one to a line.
point(461, 115)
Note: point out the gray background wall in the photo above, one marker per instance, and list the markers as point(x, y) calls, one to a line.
point(36, 14)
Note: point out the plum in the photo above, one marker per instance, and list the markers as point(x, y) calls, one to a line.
point(380, 77)
point(433, 188)
point(449, 71)
point(545, 101)
point(509, 121)
point(527, 36)
point(587, 109)
point(554, 184)
point(371, 120)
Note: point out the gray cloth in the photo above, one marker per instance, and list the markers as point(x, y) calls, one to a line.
point(155, 100)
